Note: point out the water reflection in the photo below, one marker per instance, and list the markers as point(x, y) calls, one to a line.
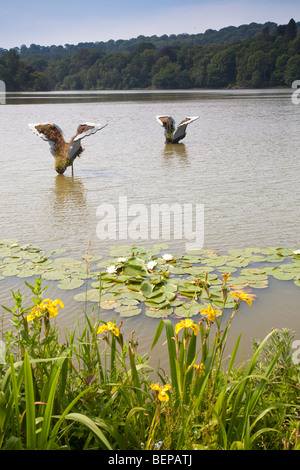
point(68, 205)
point(175, 150)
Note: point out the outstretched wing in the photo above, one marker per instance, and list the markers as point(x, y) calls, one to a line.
point(49, 132)
point(166, 122)
point(83, 130)
point(87, 129)
point(180, 132)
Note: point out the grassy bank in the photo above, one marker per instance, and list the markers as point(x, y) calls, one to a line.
point(94, 391)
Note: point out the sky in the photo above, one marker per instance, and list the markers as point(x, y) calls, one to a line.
point(60, 22)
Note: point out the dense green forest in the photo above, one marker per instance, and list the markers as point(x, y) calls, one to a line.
point(251, 56)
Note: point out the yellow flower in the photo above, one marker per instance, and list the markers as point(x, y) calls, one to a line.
point(200, 368)
point(162, 395)
point(242, 296)
point(47, 305)
point(108, 327)
point(210, 312)
point(226, 276)
point(187, 324)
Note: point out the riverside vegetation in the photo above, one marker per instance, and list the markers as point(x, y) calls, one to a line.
point(93, 390)
point(250, 56)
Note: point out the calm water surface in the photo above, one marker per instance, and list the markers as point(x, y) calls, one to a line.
point(240, 160)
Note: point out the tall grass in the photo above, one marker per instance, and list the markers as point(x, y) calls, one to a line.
point(94, 390)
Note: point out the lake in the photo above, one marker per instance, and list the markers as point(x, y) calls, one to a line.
point(239, 163)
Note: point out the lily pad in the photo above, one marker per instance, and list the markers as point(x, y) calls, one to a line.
point(283, 276)
point(70, 284)
point(128, 310)
point(187, 310)
point(92, 295)
point(10, 271)
point(158, 313)
point(54, 275)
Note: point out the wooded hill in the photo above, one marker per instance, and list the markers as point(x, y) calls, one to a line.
point(253, 56)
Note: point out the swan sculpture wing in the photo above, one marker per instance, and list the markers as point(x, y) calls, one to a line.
point(168, 123)
point(88, 128)
point(83, 130)
point(49, 132)
point(180, 132)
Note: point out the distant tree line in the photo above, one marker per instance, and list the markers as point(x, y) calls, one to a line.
point(251, 56)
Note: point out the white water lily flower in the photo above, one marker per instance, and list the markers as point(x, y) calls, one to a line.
point(297, 252)
point(111, 269)
point(151, 265)
point(168, 257)
point(122, 260)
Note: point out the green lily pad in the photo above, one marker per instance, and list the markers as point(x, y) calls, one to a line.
point(24, 273)
point(109, 304)
point(274, 259)
point(120, 250)
point(54, 275)
point(225, 270)
point(128, 310)
point(91, 295)
point(10, 271)
point(283, 276)
point(238, 263)
point(259, 284)
point(4, 252)
point(70, 284)
point(188, 310)
point(152, 303)
point(135, 270)
point(126, 301)
point(158, 313)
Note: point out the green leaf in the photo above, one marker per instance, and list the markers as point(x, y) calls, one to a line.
point(283, 276)
point(54, 275)
point(135, 270)
point(158, 313)
point(70, 283)
point(86, 421)
point(91, 295)
point(30, 405)
point(146, 288)
point(128, 311)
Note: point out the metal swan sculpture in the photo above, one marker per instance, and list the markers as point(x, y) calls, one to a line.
point(64, 152)
point(172, 134)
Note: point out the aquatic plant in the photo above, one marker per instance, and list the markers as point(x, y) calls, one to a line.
point(94, 391)
point(137, 280)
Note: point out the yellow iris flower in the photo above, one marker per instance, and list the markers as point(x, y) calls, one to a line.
point(210, 312)
point(108, 327)
point(162, 395)
point(187, 323)
point(47, 305)
point(200, 368)
point(242, 296)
